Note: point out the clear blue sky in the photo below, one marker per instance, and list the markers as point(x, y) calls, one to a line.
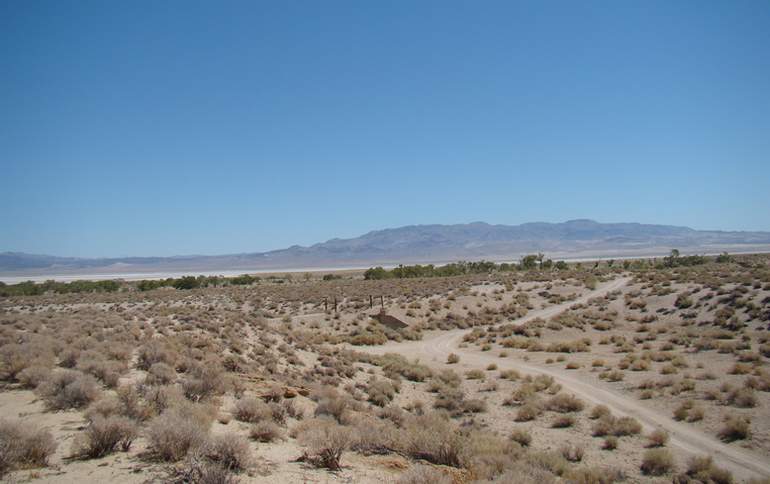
point(178, 127)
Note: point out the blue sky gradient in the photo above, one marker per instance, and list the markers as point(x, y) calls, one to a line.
point(178, 127)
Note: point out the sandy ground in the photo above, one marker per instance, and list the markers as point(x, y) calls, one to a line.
point(481, 303)
point(434, 348)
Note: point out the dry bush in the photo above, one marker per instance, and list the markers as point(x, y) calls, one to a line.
point(134, 406)
point(619, 427)
point(657, 438)
point(510, 375)
point(735, 428)
point(14, 358)
point(103, 408)
point(32, 376)
point(521, 437)
point(432, 437)
point(334, 405)
point(563, 422)
point(657, 462)
point(380, 392)
point(564, 403)
point(324, 441)
point(610, 443)
point(742, 398)
point(160, 374)
point(587, 475)
point(204, 382)
point(175, 432)
point(103, 435)
point(251, 410)
point(23, 446)
point(157, 398)
point(702, 469)
point(154, 352)
point(95, 364)
point(231, 451)
point(452, 359)
point(444, 378)
point(528, 412)
point(486, 455)
point(553, 462)
point(266, 431)
point(374, 436)
point(68, 389)
point(600, 411)
point(393, 413)
point(394, 365)
point(572, 453)
point(199, 470)
point(612, 376)
point(524, 472)
point(424, 474)
point(292, 410)
point(474, 374)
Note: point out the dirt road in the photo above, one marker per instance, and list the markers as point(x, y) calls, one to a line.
point(436, 346)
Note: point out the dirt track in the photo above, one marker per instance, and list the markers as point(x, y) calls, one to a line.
point(436, 346)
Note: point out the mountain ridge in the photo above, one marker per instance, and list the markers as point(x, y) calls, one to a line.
point(424, 243)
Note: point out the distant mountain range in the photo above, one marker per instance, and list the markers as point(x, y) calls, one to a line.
point(419, 243)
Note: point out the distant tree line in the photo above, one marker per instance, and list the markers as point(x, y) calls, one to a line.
point(674, 259)
point(30, 288)
point(192, 282)
point(529, 262)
